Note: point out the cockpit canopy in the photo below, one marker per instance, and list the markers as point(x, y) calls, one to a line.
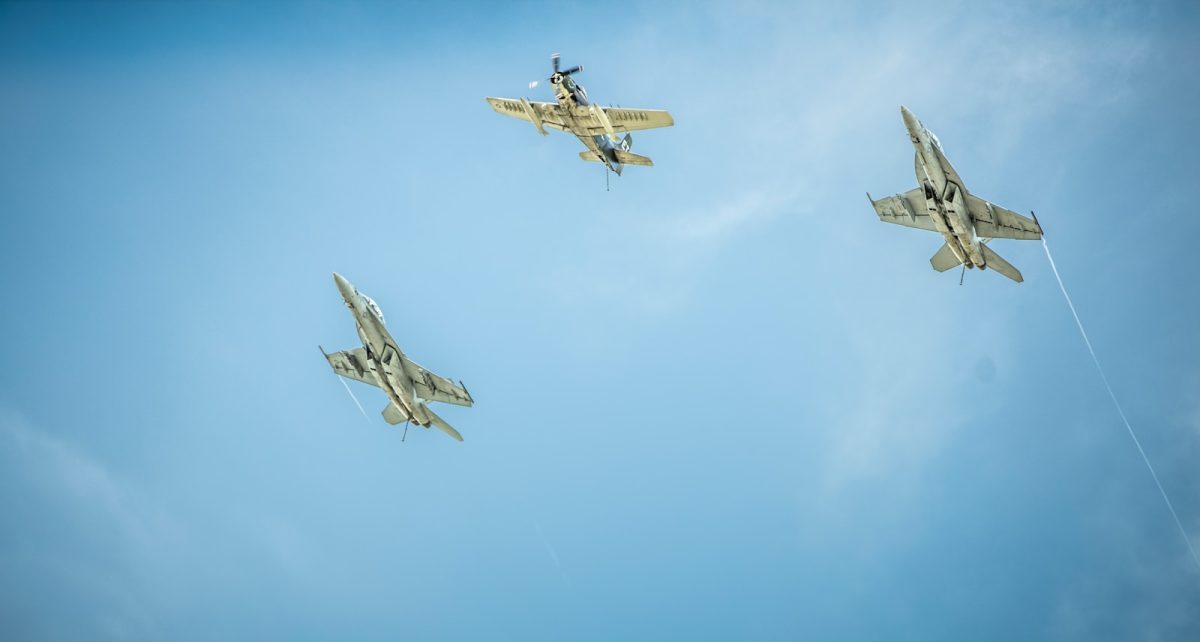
point(374, 308)
point(933, 137)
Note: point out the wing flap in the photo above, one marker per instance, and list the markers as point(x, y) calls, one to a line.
point(906, 209)
point(995, 222)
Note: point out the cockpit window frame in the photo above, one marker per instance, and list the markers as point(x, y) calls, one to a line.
point(934, 139)
point(374, 308)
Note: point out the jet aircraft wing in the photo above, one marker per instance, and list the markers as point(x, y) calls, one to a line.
point(352, 364)
point(908, 209)
point(546, 113)
point(433, 387)
point(995, 222)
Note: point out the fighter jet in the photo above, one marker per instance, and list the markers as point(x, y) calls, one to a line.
point(942, 204)
point(595, 126)
point(381, 363)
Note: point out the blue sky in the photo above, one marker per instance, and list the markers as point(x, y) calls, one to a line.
point(721, 401)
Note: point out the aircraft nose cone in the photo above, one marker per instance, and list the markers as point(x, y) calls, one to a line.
point(910, 121)
point(343, 286)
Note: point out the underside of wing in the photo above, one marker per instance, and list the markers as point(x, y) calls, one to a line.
point(433, 387)
point(995, 222)
point(622, 119)
point(352, 364)
point(905, 209)
point(545, 114)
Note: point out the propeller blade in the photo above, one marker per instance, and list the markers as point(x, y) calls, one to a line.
point(554, 61)
point(533, 84)
point(572, 70)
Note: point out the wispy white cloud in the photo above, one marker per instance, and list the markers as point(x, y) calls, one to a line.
point(60, 476)
point(551, 552)
point(650, 266)
point(127, 556)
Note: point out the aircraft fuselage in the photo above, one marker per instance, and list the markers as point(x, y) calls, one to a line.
point(383, 355)
point(571, 96)
point(945, 195)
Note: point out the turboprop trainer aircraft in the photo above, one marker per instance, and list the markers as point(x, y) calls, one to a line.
point(942, 204)
point(595, 126)
point(381, 363)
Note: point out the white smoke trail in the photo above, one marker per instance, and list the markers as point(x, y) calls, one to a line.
point(360, 408)
point(1171, 507)
point(550, 550)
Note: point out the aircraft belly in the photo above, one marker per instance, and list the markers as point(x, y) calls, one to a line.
point(939, 222)
point(931, 173)
point(965, 231)
point(602, 153)
point(938, 215)
point(956, 247)
point(397, 385)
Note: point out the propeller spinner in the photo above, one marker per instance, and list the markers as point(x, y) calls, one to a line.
point(557, 77)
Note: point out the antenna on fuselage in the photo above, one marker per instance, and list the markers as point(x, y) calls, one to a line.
point(963, 275)
point(405, 432)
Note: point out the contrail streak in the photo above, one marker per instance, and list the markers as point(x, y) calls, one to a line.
point(1120, 411)
point(360, 408)
point(550, 550)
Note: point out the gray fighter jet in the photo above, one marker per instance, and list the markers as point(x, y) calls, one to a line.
point(381, 363)
point(595, 126)
point(942, 204)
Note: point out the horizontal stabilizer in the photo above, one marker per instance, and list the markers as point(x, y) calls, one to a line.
point(441, 424)
point(394, 414)
point(590, 156)
point(630, 158)
point(993, 261)
point(944, 259)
